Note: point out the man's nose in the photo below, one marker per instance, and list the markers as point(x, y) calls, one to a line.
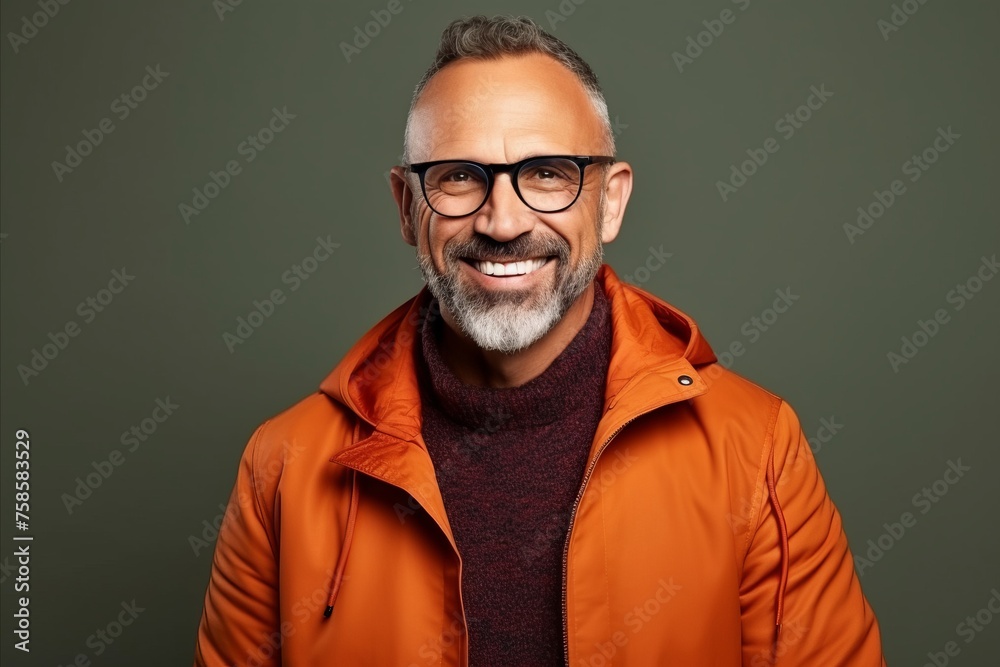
point(504, 216)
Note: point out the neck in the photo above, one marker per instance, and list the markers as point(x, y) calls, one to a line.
point(489, 368)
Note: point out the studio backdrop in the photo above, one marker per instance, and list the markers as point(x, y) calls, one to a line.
point(197, 224)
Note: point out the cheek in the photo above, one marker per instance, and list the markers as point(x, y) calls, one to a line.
point(584, 239)
point(422, 229)
point(435, 235)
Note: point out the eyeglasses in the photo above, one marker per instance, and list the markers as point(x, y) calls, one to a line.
point(545, 183)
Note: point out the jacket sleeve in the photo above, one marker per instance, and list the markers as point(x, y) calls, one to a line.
point(239, 623)
point(826, 619)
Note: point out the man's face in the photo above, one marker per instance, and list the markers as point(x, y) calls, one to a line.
point(503, 111)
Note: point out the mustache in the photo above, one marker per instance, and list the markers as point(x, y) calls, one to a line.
point(481, 247)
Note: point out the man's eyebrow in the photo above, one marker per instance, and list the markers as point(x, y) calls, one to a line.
point(539, 154)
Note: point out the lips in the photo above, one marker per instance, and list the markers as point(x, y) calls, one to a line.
point(519, 268)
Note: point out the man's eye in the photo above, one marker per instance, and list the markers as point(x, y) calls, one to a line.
point(545, 174)
point(458, 177)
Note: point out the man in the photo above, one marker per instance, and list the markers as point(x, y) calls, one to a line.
point(530, 462)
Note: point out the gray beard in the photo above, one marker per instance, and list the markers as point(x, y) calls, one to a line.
point(508, 320)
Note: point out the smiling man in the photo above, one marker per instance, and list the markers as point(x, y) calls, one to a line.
point(530, 462)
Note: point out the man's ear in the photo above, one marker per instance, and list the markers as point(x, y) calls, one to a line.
point(404, 202)
point(618, 189)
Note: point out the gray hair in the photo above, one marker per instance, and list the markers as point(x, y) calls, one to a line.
point(488, 38)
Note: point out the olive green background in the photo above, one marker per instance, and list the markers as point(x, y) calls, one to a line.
point(324, 176)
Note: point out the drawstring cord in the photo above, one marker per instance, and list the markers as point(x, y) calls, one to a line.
point(784, 547)
point(338, 575)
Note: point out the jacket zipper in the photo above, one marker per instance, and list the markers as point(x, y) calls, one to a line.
point(464, 658)
point(572, 517)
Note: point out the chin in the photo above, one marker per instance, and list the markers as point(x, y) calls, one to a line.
point(509, 327)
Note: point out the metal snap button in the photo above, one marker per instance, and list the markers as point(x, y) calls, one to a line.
point(685, 380)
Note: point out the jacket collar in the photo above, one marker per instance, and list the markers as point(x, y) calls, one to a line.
point(650, 339)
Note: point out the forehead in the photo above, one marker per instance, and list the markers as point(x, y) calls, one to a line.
point(503, 110)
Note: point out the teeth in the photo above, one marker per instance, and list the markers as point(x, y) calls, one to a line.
point(511, 268)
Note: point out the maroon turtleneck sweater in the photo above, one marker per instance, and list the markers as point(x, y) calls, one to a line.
point(509, 463)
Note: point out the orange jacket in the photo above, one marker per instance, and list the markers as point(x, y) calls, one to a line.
point(702, 527)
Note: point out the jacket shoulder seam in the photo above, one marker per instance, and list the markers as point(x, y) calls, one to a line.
point(757, 505)
point(254, 450)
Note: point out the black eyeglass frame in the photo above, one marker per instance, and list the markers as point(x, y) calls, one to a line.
point(514, 169)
